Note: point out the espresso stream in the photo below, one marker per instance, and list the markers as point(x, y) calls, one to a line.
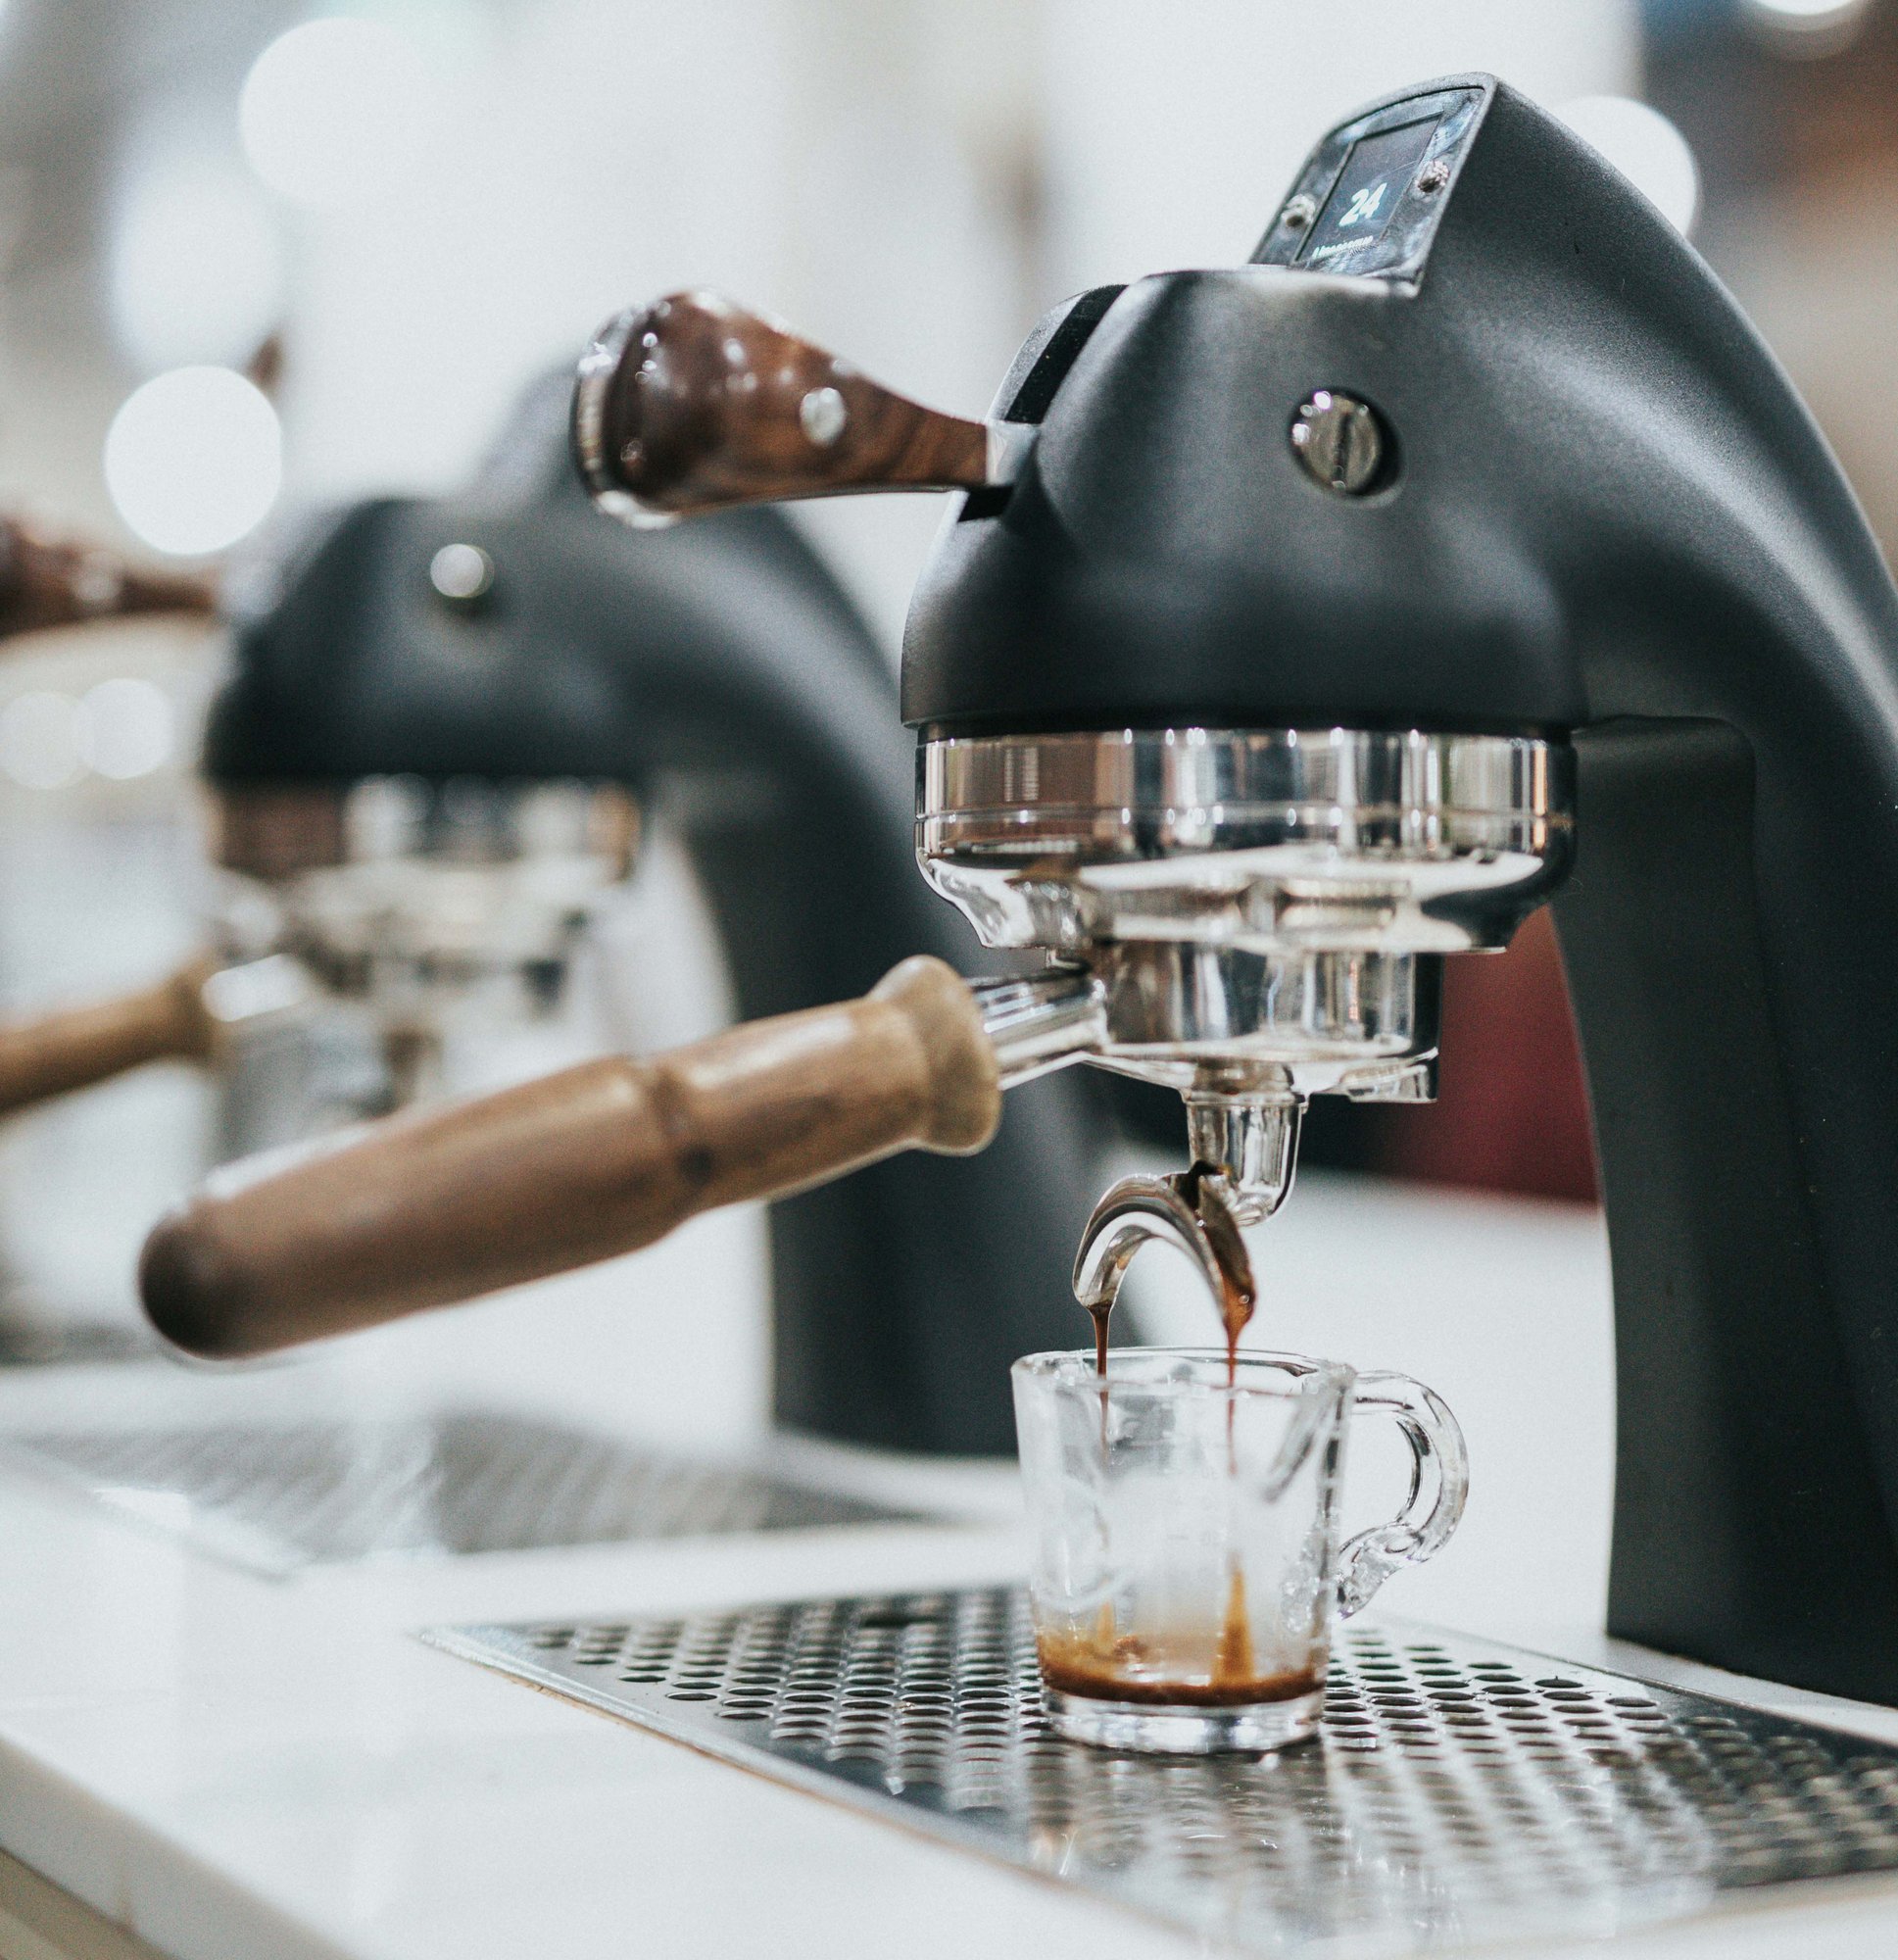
point(1140, 1668)
point(1236, 1297)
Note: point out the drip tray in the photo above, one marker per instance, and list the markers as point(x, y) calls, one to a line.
point(279, 1497)
point(1461, 1791)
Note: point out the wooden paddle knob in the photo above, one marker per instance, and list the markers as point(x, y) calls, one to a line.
point(692, 403)
point(426, 1208)
point(42, 1056)
point(50, 582)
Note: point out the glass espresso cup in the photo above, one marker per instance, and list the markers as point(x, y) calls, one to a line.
point(1187, 1557)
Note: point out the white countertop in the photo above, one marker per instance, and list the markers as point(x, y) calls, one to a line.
point(234, 1766)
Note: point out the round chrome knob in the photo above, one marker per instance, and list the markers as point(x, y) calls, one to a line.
point(1341, 442)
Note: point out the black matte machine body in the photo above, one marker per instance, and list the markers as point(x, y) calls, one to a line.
point(1596, 512)
point(719, 673)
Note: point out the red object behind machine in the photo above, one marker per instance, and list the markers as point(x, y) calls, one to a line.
point(1512, 1108)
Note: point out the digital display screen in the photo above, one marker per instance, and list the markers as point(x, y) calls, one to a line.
point(1369, 189)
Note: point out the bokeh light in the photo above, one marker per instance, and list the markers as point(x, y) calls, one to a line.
point(1804, 29)
point(339, 111)
point(1646, 147)
point(194, 460)
point(1806, 26)
point(120, 729)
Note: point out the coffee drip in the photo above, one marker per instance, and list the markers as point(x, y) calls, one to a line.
point(1148, 1670)
point(1191, 1210)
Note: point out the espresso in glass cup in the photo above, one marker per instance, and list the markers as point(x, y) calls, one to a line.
point(1188, 1564)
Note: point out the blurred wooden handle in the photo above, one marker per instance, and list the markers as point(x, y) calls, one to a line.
point(51, 582)
point(692, 403)
point(49, 1055)
point(429, 1207)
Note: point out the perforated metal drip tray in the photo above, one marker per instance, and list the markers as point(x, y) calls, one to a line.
point(1461, 1793)
point(278, 1497)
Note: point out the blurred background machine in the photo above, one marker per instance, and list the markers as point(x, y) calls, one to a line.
point(426, 772)
point(448, 730)
point(427, 769)
point(55, 1266)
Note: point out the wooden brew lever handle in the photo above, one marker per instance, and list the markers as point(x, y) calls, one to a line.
point(53, 582)
point(47, 1054)
point(692, 403)
point(433, 1207)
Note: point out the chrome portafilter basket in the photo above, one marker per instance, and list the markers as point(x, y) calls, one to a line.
point(1251, 917)
point(417, 929)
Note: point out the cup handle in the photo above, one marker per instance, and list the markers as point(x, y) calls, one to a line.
point(1418, 1532)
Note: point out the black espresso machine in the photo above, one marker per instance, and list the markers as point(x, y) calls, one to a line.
point(1300, 624)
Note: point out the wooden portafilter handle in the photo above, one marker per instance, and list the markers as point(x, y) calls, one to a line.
point(42, 1056)
point(60, 582)
point(433, 1207)
point(693, 403)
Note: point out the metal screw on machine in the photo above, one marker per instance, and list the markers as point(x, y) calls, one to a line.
point(1299, 212)
point(1432, 177)
point(1341, 441)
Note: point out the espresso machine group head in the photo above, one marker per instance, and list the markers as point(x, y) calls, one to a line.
point(1306, 622)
